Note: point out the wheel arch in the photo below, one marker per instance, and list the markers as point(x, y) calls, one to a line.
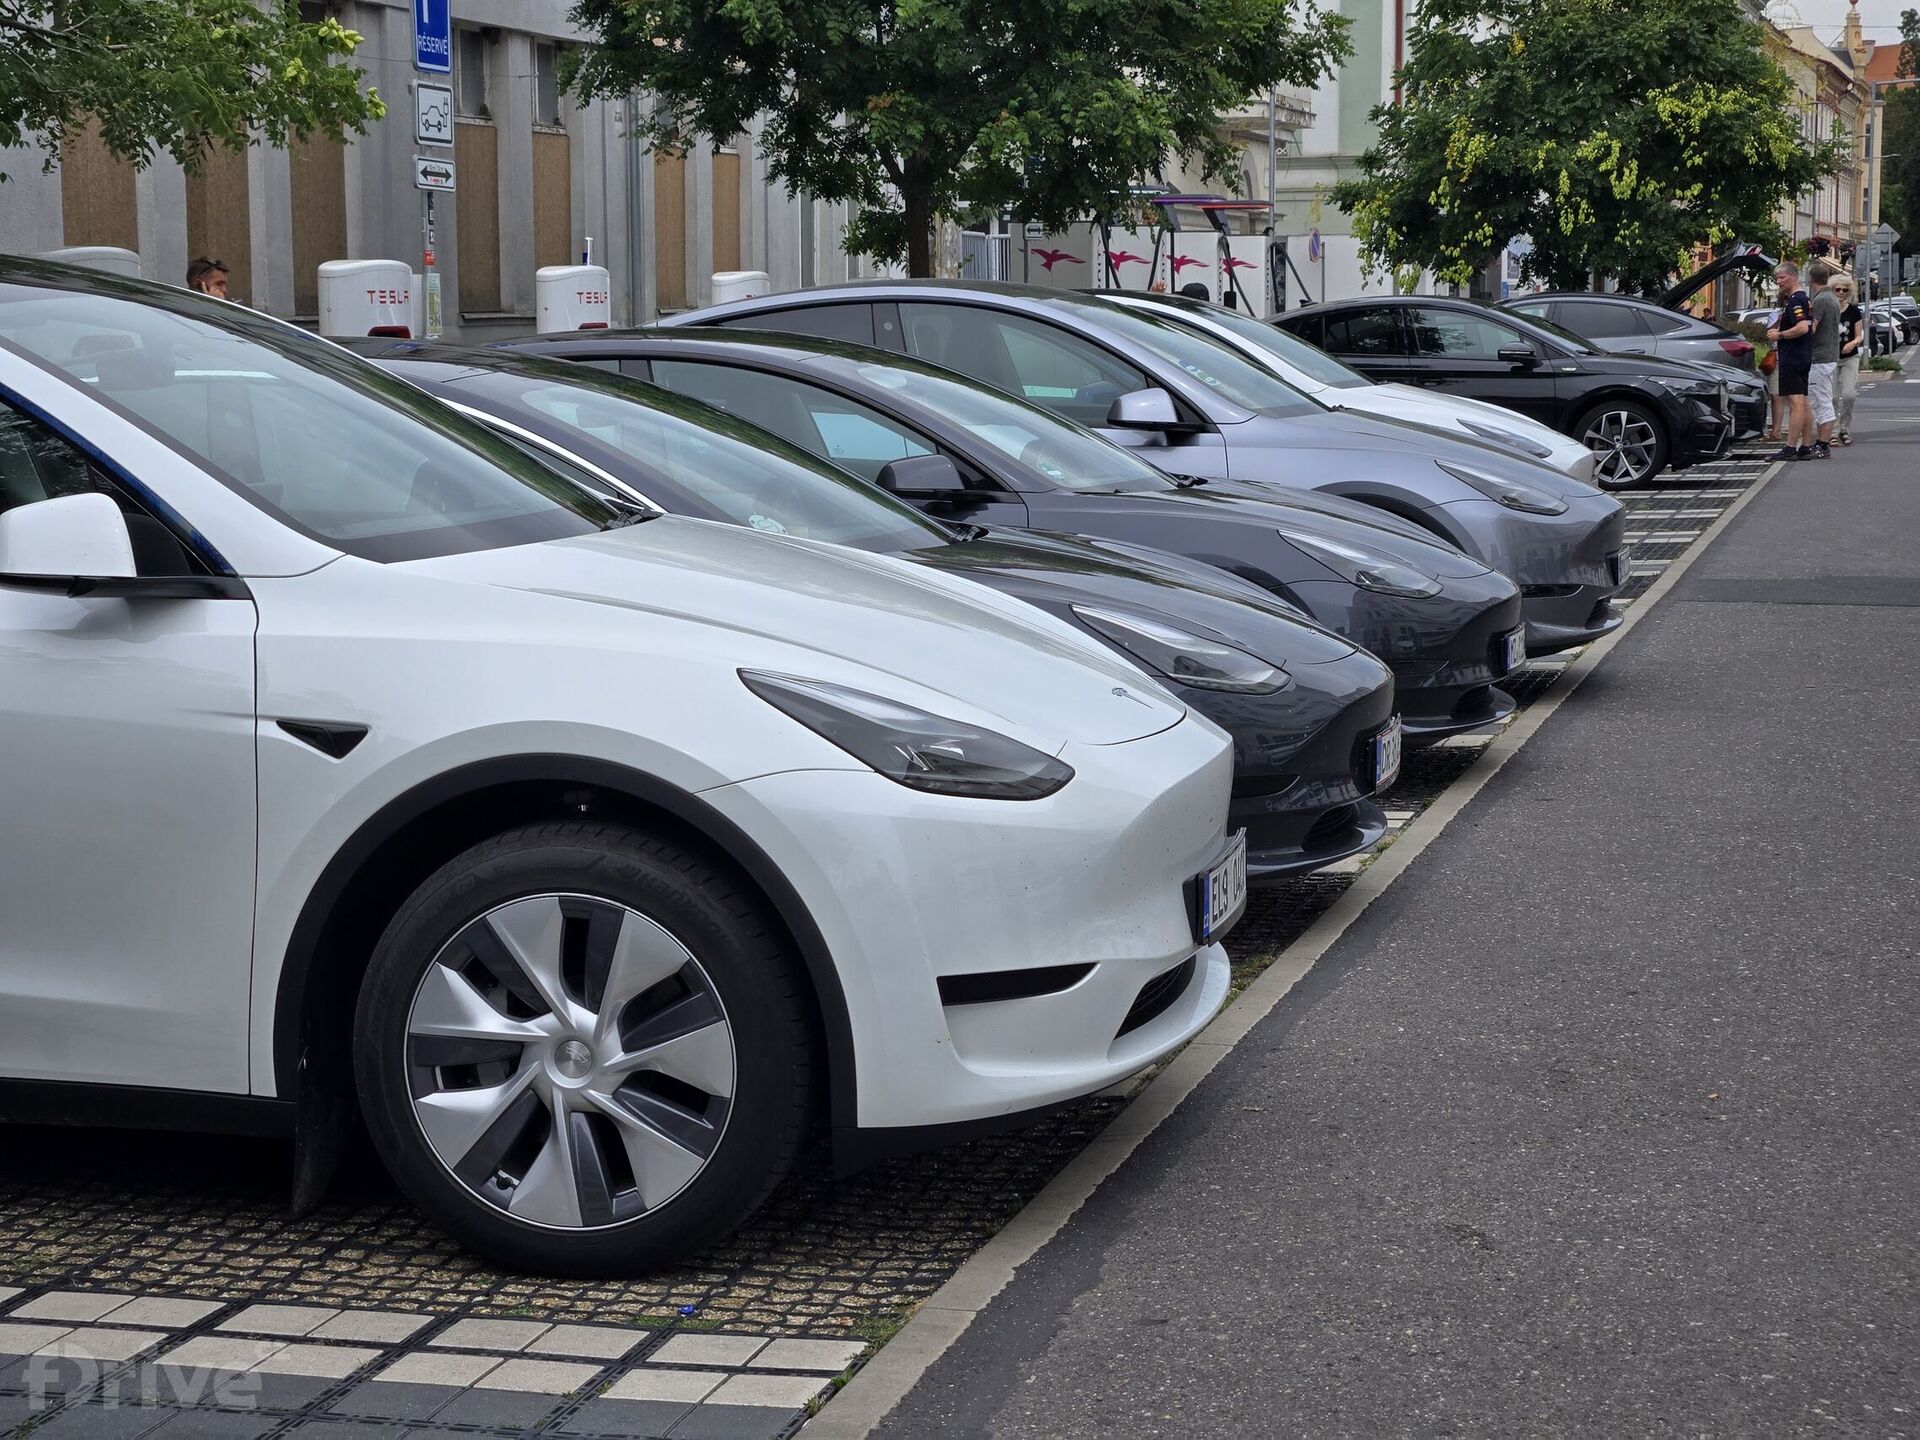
point(371, 875)
point(1398, 505)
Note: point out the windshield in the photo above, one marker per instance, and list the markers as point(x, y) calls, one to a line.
point(1287, 348)
point(314, 436)
point(1072, 458)
point(1229, 374)
point(693, 458)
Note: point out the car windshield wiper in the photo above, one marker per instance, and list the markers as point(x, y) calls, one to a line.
point(634, 516)
point(1188, 482)
point(963, 532)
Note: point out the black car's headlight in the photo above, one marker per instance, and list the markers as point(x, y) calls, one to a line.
point(910, 746)
point(1509, 439)
point(1368, 569)
point(1183, 656)
point(1514, 494)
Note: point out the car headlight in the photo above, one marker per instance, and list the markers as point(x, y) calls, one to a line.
point(1368, 569)
point(1183, 656)
point(910, 746)
point(1509, 439)
point(1514, 494)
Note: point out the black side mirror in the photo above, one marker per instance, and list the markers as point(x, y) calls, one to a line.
point(927, 476)
point(1519, 355)
point(1150, 409)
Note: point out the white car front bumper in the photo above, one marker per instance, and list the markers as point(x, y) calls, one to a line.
point(909, 889)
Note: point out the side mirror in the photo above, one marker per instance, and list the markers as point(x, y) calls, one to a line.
point(1519, 355)
point(928, 476)
point(1150, 409)
point(65, 539)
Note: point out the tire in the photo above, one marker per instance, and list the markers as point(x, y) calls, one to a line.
point(533, 972)
point(1630, 440)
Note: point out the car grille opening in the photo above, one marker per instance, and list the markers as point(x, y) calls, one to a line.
point(1156, 997)
point(1330, 828)
point(990, 985)
point(1548, 592)
point(1246, 787)
point(1473, 703)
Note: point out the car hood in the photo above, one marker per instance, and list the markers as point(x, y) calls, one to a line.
point(1228, 502)
point(1057, 572)
point(874, 622)
point(1349, 432)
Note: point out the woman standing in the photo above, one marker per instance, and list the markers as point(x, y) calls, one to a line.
point(1853, 335)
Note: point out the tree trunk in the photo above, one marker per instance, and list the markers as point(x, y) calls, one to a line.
point(914, 194)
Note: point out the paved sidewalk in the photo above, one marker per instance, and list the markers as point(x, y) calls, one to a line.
point(1601, 1120)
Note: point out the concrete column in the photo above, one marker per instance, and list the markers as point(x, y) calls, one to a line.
point(32, 217)
point(270, 228)
point(160, 198)
point(512, 98)
point(700, 222)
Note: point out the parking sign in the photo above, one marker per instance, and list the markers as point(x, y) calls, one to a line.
point(433, 36)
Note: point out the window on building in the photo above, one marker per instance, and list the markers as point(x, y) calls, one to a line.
point(470, 59)
point(546, 83)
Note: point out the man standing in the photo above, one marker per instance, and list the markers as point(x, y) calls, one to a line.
point(1826, 357)
point(1792, 335)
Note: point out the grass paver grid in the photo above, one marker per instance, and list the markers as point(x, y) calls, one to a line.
point(205, 1218)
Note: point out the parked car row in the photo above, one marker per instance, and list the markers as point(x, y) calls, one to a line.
point(594, 760)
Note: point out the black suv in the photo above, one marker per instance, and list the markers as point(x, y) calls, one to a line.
point(1641, 414)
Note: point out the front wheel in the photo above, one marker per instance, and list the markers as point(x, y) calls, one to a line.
point(1629, 439)
point(583, 1050)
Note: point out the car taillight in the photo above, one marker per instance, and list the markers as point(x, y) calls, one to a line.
point(1739, 349)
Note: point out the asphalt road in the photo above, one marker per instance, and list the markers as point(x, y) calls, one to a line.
point(1601, 1121)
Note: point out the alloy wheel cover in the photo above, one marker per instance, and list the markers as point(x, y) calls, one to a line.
point(570, 1062)
point(1625, 444)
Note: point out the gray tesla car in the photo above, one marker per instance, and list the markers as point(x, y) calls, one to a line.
point(1200, 410)
point(1449, 627)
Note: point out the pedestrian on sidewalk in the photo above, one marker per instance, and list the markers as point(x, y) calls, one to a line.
point(1826, 356)
point(1853, 340)
point(1792, 336)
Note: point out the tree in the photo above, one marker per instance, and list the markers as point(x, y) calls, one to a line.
point(176, 75)
point(1616, 134)
point(919, 110)
point(1900, 158)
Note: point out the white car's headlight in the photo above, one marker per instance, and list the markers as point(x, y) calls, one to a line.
point(910, 746)
point(1368, 569)
point(1183, 656)
point(1509, 439)
point(1514, 494)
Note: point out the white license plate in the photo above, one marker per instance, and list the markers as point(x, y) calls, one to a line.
point(1386, 755)
point(1223, 890)
point(1515, 653)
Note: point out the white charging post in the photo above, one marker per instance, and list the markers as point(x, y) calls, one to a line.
point(367, 297)
point(572, 297)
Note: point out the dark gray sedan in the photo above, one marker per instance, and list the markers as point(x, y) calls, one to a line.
point(1449, 627)
point(1626, 324)
point(1200, 410)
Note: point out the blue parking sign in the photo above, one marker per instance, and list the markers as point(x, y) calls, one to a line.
point(433, 35)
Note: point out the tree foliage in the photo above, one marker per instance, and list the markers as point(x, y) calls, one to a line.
point(1900, 163)
point(1617, 134)
point(175, 75)
point(915, 110)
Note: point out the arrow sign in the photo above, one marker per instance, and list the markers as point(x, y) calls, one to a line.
point(431, 174)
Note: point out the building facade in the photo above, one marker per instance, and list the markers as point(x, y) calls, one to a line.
point(539, 180)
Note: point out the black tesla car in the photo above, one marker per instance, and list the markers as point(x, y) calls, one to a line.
point(1641, 414)
point(1449, 627)
point(1312, 717)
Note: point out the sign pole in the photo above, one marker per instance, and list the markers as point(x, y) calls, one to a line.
point(429, 271)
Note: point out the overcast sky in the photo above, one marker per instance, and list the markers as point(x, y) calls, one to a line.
point(1879, 18)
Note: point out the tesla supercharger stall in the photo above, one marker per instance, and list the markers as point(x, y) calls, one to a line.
point(1248, 262)
point(740, 285)
point(1128, 259)
point(572, 297)
point(1194, 259)
point(368, 297)
point(110, 258)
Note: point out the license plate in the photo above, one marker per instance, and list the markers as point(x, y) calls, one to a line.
point(1386, 755)
point(1514, 650)
point(1617, 567)
point(1223, 890)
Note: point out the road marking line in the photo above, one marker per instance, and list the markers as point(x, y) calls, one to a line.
point(899, 1365)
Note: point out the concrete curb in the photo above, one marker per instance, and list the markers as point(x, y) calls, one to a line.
point(885, 1380)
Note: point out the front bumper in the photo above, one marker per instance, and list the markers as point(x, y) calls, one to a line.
point(908, 890)
point(1699, 434)
point(1568, 566)
point(1303, 763)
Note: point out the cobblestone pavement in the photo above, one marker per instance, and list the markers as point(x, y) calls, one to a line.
point(106, 1239)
